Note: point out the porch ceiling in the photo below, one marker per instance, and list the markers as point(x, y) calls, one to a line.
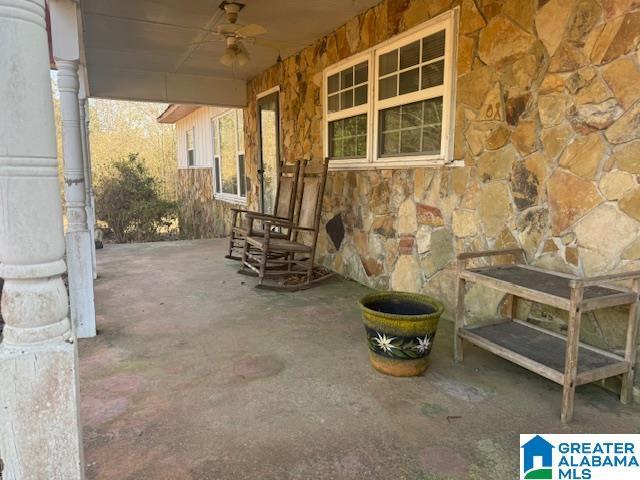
point(144, 49)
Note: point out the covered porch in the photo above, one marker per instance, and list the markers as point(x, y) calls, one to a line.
point(197, 375)
point(190, 378)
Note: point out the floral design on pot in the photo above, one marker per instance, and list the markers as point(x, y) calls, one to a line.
point(400, 331)
point(399, 347)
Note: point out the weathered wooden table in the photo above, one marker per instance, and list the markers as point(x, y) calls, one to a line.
point(547, 353)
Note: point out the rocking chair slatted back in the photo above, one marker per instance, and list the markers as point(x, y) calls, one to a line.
point(286, 190)
point(314, 178)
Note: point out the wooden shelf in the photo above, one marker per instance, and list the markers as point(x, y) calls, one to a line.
point(564, 360)
point(550, 288)
point(542, 351)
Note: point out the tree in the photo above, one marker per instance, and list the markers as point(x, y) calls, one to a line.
point(128, 200)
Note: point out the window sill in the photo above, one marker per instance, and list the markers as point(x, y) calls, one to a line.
point(230, 198)
point(394, 164)
point(194, 167)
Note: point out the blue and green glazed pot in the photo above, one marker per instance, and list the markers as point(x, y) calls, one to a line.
point(400, 331)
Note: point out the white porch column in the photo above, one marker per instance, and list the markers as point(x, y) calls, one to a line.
point(88, 188)
point(78, 238)
point(40, 433)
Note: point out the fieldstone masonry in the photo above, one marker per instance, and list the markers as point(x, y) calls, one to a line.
point(547, 124)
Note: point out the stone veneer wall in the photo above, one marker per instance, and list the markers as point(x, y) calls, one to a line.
point(548, 126)
point(200, 215)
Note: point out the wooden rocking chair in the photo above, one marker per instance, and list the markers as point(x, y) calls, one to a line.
point(284, 210)
point(290, 259)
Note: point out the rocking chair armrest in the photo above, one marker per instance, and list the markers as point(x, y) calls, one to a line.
point(304, 229)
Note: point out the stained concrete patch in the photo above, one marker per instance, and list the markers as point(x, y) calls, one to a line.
point(460, 390)
point(99, 410)
point(121, 383)
point(433, 410)
point(256, 367)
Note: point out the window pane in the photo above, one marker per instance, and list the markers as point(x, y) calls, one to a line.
point(410, 55)
point(409, 81)
point(390, 143)
point(388, 87)
point(216, 162)
point(432, 74)
point(190, 140)
point(228, 159)
point(346, 78)
point(348, 137)
point(346, 99)
point(333, 83)
point(361, 124)
point(415, 128)
point(360, 94)
point(390, 120)
point(411, 115)
point(334, 103)
point(349, 147)
point(431, 139)
point(361, 146)
point(350, 127)
point(216, 145)
point(240, 130)
point(410, 140)
point(336, 148)
point(243, 186)
point(433, 46)
point(190, 159)
point(388, 62)
point(433, 111)
point(361, 73)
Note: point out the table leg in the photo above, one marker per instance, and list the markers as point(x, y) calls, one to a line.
point(631, 347)
point(571, 355)
point(457, 346)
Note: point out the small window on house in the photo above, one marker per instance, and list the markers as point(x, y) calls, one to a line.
point(191, 157)
point(228, 156)
point(402, 117)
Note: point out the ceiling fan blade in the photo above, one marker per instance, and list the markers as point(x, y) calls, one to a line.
point(251, 30)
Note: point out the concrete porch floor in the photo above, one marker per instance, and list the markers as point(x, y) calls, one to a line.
point(196, 375)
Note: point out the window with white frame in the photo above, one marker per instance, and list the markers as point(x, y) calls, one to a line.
point(391, 106)
point(228, 156)
point(191, 154)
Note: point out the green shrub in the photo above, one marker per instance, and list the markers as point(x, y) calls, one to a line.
point(128, 201)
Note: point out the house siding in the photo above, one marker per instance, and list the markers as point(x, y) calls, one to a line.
point(200, 214)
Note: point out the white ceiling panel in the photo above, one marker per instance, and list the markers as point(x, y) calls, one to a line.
point(162, 36)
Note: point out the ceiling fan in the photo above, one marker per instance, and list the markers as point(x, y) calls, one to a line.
point(234, 35)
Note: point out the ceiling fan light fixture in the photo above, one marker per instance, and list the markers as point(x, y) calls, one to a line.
point(242, 58)
point(228, 57)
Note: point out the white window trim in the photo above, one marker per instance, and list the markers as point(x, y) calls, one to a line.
point(215, 139)
point(371, 162)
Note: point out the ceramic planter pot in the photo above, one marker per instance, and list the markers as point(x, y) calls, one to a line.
point(400, 331)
